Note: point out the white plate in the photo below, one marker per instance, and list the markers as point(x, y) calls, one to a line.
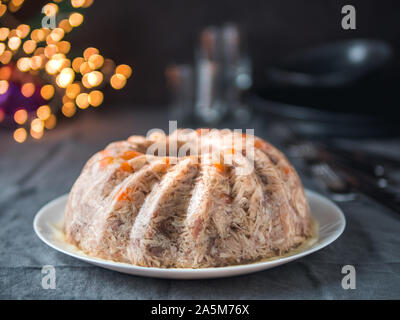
point(330, 224)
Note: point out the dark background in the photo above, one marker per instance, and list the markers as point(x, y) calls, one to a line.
point(149, 35)
point(157, 33)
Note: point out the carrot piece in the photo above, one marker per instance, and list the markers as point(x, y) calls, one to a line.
point(106, 161)
point(202, 130)
point(125, 166)
point(123, 195)
point(220, 167)
point(130, 154)
point(258, 144)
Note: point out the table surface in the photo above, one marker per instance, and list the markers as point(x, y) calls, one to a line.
point(33, 173)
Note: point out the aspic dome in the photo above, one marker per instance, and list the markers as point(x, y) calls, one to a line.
point(213, 204)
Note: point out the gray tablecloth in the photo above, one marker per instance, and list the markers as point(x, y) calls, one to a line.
point(33, 173)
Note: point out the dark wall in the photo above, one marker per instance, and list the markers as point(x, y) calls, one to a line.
point(151, 34)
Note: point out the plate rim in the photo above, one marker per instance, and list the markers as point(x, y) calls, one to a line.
point(191, 273)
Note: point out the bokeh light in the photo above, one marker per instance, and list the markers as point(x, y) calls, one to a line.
point(75, 19)
point(77, 3)
point(57, 63)
point(6, 57)
point(38, 50)
point(89, 52)
point(4, 32)
point(28, 89)
point(14, 43)
point(50, 50)
point(3, 86)
point(65, 25)
point(24, 64)
point(65, 77)
point(29, 46)
point(87, 3)
point(94, 78)
point(36, 134)
point(84, 68)
point(36, 62)
point(5, 73)
point(125, 70)
point(3, 9)
point(57, 34)
point(20, 135)
point(118, 81)
point(82, 100)
point(38, 35)
point(95, 61)
point(68, 109)
point(47, 92)
point(2, 48)
point(43, 112)
point(73, 90)
point(23, 30)
point(21, 116)
point(95, 98)
point(63, 47)
point(76, 63)
point(37, 125)
point(51, 122)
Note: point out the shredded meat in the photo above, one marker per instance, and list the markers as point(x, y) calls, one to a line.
point(188, 211)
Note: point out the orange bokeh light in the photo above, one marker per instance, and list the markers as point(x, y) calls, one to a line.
point(76, 63)
point(28, 89)
point(43, 112)
point(24, 64)
point(29, 46)
point(6, 57)
point(75, 19)
point(36, 134)
point(82, 100)
point(68, 109)
point(2, 48)
point(118, 81)
point(89, 52)
point(125, 70)
point(14, 43)
point(20, 135)
point(47, 91)
point(51, 122)
point(20, 116)
point(4, 32)
point(3, 86)
point(96, 98)
point(65, 77)
point(5, 73)
point(23, 30)
point(73, 90)
point(95, 61)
